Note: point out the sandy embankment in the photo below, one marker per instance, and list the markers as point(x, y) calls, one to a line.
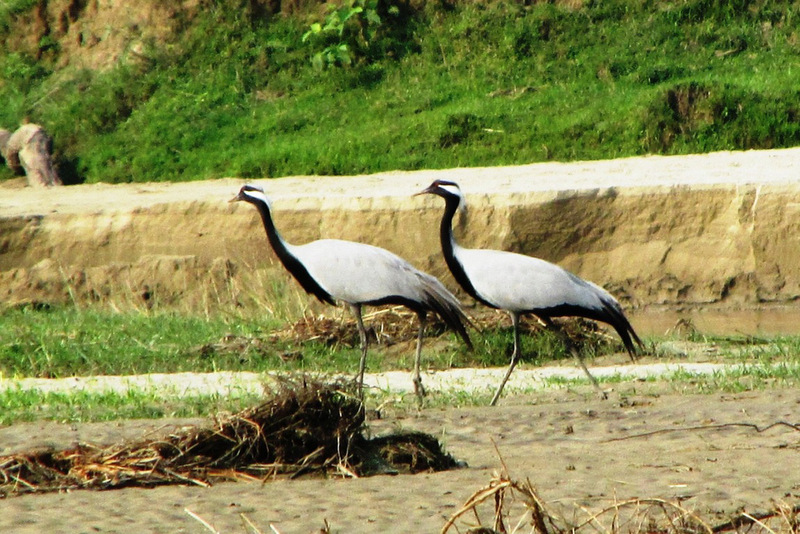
point(670, 236)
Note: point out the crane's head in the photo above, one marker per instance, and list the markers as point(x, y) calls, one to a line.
point(448, 191)
point(253, 194)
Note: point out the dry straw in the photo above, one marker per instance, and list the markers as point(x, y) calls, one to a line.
point(389, 325)
point(305, 427)
point(516, 507)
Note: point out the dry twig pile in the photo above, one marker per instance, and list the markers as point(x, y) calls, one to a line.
point(516, 507)
point(304, 428)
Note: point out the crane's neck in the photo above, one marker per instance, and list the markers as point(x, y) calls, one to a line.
point(277, 243)
point(289, 260)
point(450, 249)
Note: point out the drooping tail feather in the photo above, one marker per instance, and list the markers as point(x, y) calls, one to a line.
point(616, 318)
point(447, 306)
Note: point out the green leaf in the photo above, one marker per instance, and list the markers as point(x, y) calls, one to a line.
point(314, 29)
point(351, 12)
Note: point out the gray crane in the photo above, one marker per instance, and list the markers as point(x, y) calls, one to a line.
point(522, 285)
point(358, 274)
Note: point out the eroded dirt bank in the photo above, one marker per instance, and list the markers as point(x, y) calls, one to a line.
point(667, 235)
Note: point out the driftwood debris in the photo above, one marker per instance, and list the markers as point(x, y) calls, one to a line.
point(28, 151)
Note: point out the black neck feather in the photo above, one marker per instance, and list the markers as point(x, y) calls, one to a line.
point(289, 261)
point(448, 240)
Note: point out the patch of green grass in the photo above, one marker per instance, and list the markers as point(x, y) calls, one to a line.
point(66, 341)
point(494, 347)
point(63, 342)
point(82, 407)
point(745, 377)
point(753, 377)
point(237, 94)
point(764, 350)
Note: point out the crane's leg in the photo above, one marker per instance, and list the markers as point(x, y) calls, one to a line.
point(419, 389)
point(514, 357)
point(549, 323)
point(356, 309)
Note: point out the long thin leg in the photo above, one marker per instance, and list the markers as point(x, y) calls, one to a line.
point(356, 309)
point(568, 342)
point(419, 389)
point(514, 357)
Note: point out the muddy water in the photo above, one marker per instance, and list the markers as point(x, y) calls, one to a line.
point(765, 321)
point(712, 239)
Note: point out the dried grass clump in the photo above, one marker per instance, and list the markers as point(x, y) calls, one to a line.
point(396, 324)
point(390, 325)
point(517, 507)
point(414, 451)
point(304, 428)
point(386, 325)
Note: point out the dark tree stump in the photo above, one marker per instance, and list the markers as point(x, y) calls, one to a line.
point(27, 151)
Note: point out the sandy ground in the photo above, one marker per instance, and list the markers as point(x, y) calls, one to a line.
point(563, 441)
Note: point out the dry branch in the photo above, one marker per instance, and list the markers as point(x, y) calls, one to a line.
point(719, 426)
point(788, 516)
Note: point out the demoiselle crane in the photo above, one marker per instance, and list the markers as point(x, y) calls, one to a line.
point(358, 274)
point(522, 285)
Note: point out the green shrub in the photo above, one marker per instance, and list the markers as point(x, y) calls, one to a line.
point(437, 85)
point(712, 115)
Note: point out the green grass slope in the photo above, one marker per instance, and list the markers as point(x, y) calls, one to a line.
point(382, 84)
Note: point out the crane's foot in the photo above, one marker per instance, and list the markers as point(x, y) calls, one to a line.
point(419, 389)
point(602, 393)
point(358, 388)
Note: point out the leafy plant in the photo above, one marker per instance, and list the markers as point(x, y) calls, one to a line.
point(21, 71)
point(348, 30)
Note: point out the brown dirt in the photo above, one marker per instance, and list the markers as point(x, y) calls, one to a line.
point(90, 34)
point(96, 35)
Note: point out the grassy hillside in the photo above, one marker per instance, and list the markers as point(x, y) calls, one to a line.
point(403, 86)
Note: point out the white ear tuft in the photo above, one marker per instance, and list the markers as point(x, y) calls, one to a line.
point(462, 205)
point(456, 190)
point(257, 192)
